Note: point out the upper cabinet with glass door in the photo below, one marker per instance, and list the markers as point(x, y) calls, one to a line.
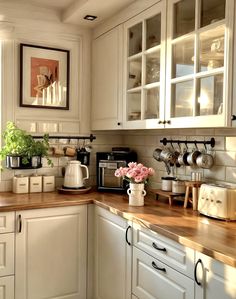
point(145, 69)
point(199, 60)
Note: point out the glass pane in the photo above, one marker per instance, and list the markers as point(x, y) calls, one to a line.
point(182, 99)
point(134, 105)
point(153, 36)
point(212, 11)
point(152, 103)
point(184, 17)
point(183, 58)
point(212, 49)
point(153, 67)
point(210, 100)
point(135, 39)
point(134, 73)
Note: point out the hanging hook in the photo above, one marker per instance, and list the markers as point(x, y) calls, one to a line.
point(186, 144)
point(205, 145)
point(195, 143)
point(179, 145)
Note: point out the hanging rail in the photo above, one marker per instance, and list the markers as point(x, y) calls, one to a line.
point(211, 142)
point(91, 137)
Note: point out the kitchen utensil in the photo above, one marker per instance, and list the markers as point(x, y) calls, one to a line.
point(156, 156)
point(182, 158)
point(205, 160)
point(74, 176)
point(192, 157)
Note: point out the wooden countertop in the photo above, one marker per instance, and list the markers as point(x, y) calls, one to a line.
point(214, 238)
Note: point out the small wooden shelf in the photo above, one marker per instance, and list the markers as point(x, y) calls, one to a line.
point(170, 195)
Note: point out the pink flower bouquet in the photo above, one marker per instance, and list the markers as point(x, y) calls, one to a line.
point(135, 173)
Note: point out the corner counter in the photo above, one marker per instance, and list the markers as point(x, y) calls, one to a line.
point(214, 238)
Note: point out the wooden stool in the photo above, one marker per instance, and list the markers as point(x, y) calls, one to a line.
point(195, 185)
point(170, 195)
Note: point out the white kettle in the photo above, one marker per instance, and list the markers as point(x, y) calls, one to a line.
point(74, 176)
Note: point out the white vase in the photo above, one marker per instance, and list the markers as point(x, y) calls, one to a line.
point(136, 194)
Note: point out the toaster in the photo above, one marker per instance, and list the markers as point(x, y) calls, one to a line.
point(217, 201)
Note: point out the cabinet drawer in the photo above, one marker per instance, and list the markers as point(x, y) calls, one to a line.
point(6, 254)
point(153, 279)
point(7, 222)
point(167, 251)
point(7, 287)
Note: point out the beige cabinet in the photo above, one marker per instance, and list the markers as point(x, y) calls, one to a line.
point(7, 237)
point(112, 254)
point(107, 81)
point(214, 279)
point(199, 63)
point(51, 250)
point(162, 268)
point(154, 279)
point(144, 70)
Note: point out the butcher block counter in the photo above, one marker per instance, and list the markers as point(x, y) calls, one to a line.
point(214, 238)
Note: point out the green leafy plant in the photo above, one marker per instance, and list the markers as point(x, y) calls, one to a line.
point(18, 142)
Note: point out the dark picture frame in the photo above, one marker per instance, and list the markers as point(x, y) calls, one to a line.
point(44, 77)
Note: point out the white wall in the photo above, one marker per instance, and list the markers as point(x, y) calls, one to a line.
point(31, 25)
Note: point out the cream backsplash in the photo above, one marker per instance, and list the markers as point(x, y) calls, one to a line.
point(144, 142)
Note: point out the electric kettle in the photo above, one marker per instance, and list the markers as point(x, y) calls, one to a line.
point(74, 176)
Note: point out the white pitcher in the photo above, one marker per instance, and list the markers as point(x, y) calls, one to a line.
point(74, 176)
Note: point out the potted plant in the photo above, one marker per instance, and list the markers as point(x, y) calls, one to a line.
point(21, 150)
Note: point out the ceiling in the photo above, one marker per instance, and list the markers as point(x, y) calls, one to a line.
point(73, 11)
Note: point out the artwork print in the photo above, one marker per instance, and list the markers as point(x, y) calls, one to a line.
point(44, 77)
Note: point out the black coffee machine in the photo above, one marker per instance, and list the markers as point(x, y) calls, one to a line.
point(107, 163)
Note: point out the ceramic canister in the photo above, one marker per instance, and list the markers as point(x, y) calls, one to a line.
point(166, 183)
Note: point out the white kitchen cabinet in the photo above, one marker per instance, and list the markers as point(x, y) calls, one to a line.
point(214, 279)
point(154, 279)
point(175, 255)
point(162, 268)
point(199, 63)
point(7, 269)
point(107, 81)
point(144, 71)
point(112, 256)
point(51, 250)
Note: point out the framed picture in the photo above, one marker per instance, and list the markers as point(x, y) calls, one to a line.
point(44, 77)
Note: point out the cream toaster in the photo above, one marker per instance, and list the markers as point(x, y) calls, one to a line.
point(218, 201)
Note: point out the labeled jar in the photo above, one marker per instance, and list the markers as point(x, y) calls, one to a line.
point(35, 184)
point(20, 184)
point(166, 183)
point(48, 183)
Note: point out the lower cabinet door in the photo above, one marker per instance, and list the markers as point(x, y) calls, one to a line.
point(214, 279)
point(112, 256)
point(51, 253)
point(153, 279)
point(7, 287)
point(7, 254)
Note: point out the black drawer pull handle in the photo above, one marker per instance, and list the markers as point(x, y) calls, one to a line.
point(126, 235)
point(154, 245)
point(195, 271)
point(158, 268)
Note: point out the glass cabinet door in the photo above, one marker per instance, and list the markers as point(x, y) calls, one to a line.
point(145, 67)
point(197, 62)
